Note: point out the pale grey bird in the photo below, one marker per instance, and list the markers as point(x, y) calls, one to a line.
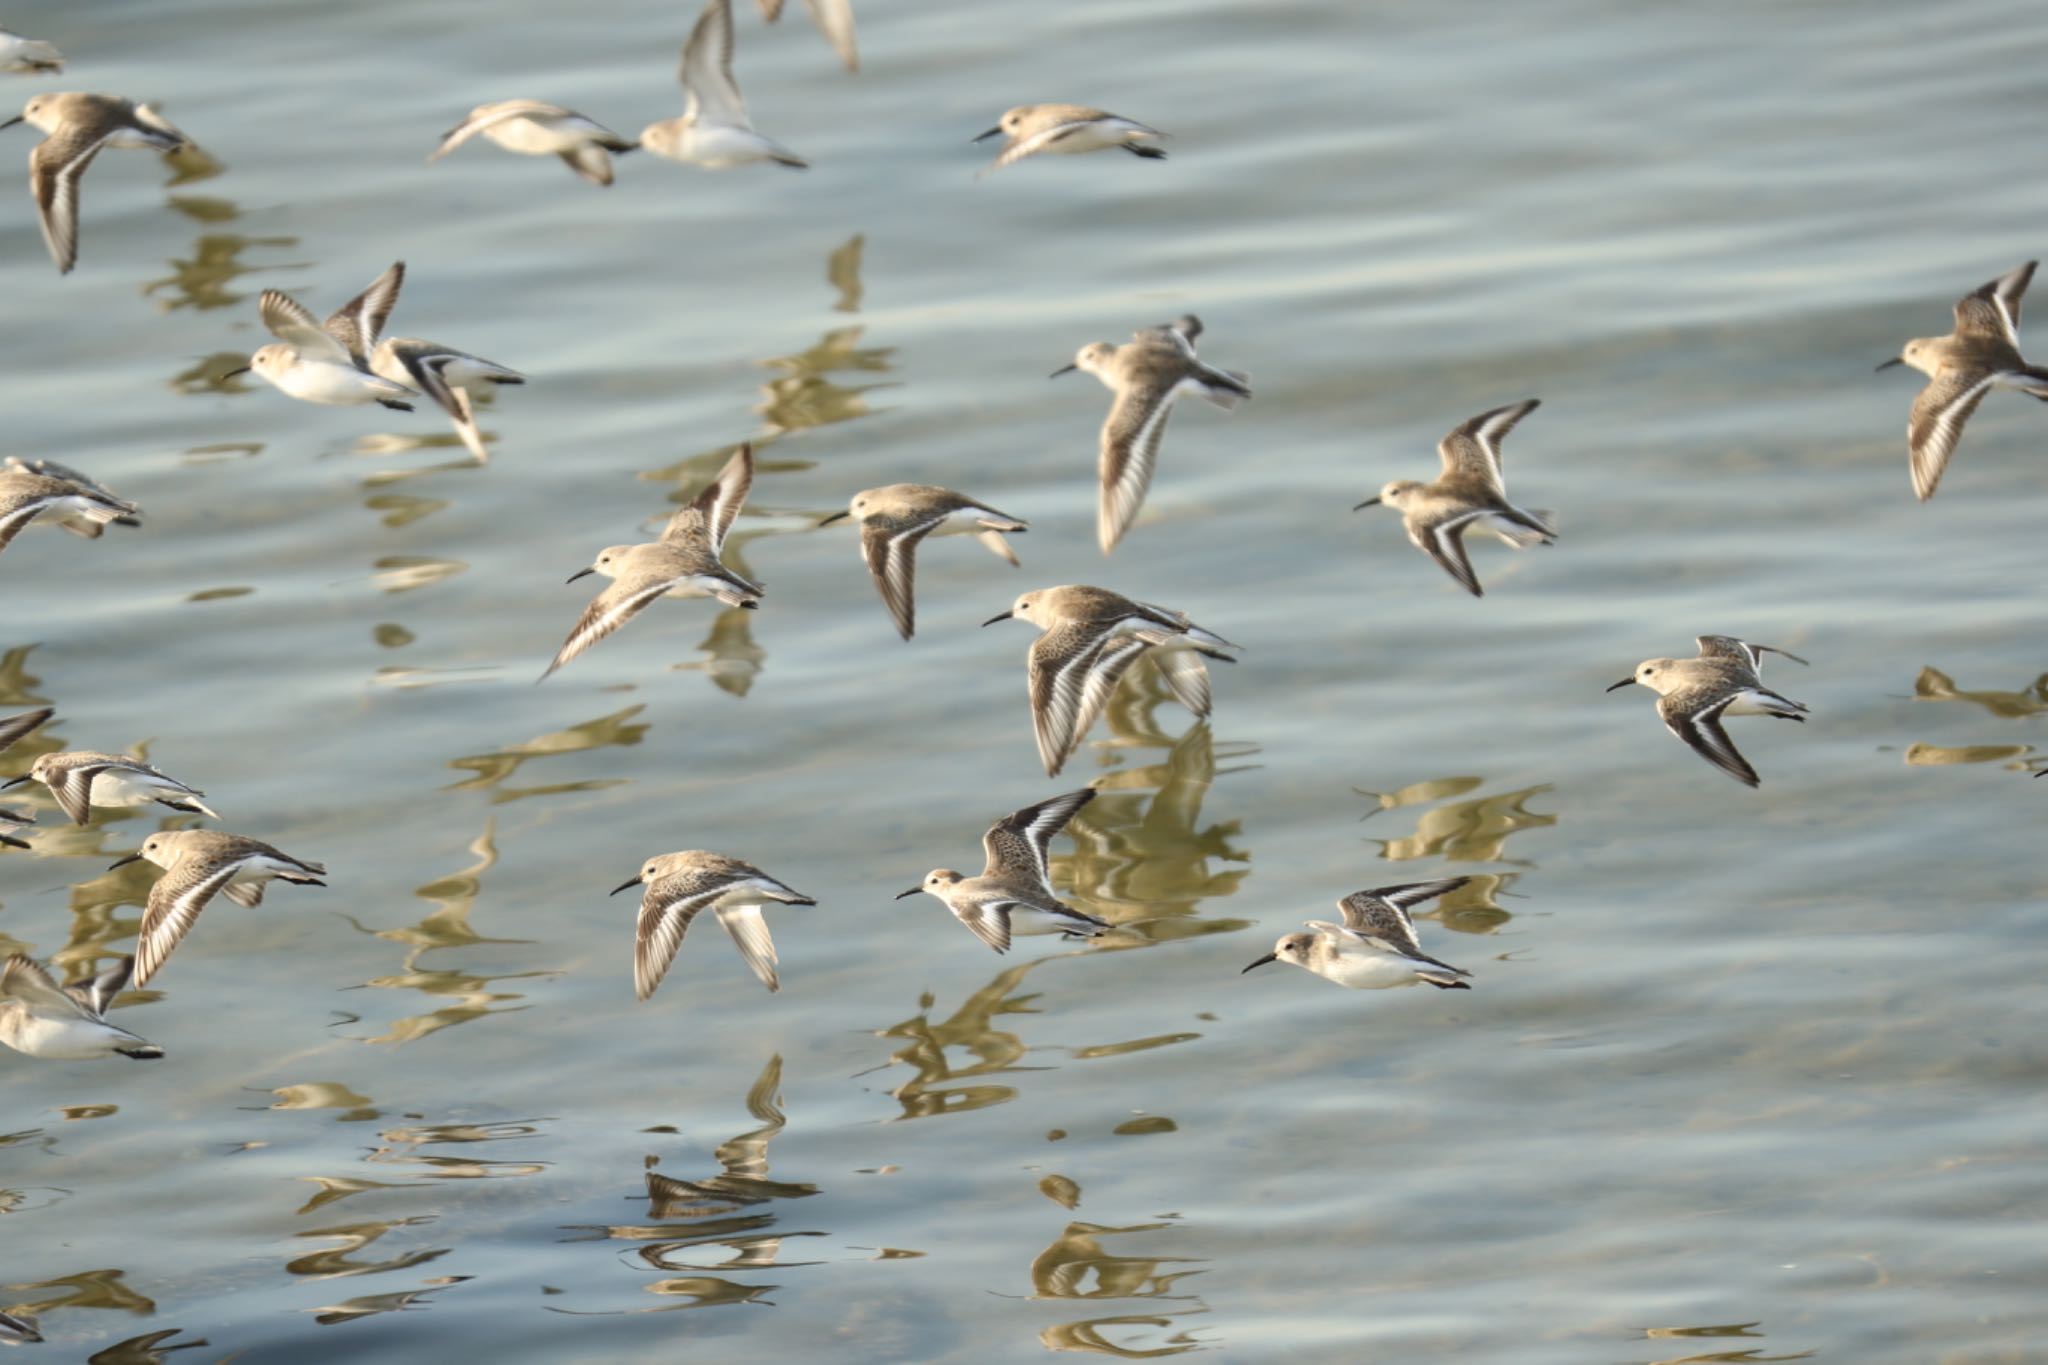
point(834, 19)
point(329, 362)
point(453, 379)
point(1725, 680)
point(28, 56)
point(1469, 493)
point(714, 130)
point(66, 1023)
point(76, 127)
point(44, 490)
point(1069, 128)
point(896, 517)
point(683, 563)
point(536, 128)
point(1375, 947)
point(1016, 880)
point(80, 779)
point(198, 865)
point(682, 885)
point(1090, 637)
point(1982, 354)
point(1156, 366)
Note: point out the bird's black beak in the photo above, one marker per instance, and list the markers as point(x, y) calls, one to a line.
point(131, 858)
point(836, 516)
point(1895, 360)
point(1623, 683)
point(19, 117)
point(911, 892)
point(978, 137)
point(14, 782)
point(1269, 957)
point(232, 373)
point(626, 886)
point(1064, 369)
point(581, 573)
point(1369, 502)
point(1003, 617)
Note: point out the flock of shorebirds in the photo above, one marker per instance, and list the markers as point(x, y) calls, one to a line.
point(1089, 636)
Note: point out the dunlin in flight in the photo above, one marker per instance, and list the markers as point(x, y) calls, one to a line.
point(1725, 680)
point(1016, 880)
point(895, 518)
point(682, 885)
point(1375, 947)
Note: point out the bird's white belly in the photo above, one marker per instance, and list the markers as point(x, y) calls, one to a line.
point(717, 145)
point(1371, 971)
point(58, 1040)
point(525, 136)
point(323, 381)
point(117, 788)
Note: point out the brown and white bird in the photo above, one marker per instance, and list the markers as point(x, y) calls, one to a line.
point(77, 127)
point(1693, 695)
point(1981, 354)
point(1146, 373)
point(895, 519)
point(200, 864)
point(1468, 495)
point(683, 563)
point(1090, 637)
point(1016, 879)
point(680, 886)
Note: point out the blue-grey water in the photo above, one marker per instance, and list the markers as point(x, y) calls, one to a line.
point(1745, 1075)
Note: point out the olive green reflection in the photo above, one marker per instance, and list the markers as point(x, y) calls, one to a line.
point(369, 1305)
point(1935, 685)
point(1076, 1266)
point(402, 1147)
point(447, 926)
point(734, 660)
point(350, 1239)
point(86, 1289)
point(492, 770)
point(803, 397)
point(18, 685)
point(971, 1029)
point(151, 1348)
point(1143, 857)
point(1474, 830)
point(721, 1210)
point(1738, 1329)
point(203, 282)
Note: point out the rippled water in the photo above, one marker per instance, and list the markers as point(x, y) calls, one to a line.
point(1745, 1075)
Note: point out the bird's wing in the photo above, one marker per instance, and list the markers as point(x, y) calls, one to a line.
point(834, 19)
point(358, 323)
point(1017, 844)
point(174, 905)
point(712, 95)
point(1130, 450)
point(292, 323)
point(1446, 545)
point(1472, 449)
point(13, 728)
point(609, 610)
point(54, 170)
point(1728, 647)
point(666, 909)
point(1702, 730)
point(712, 512)
point(1036, 142)
point(1073, 669)
point(1993, 308)
point(1381, 923)
point(749, 930)
point(23, 978)
point(889, 547)
point(1936, 423)
point(72, 788)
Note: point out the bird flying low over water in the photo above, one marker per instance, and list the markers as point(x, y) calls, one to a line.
point(1725, 680)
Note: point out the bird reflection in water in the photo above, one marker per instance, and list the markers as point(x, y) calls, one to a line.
point(1473, 830)
point(937, 1088)
point(36, 1300)
point(687, 1217)
point(203, 282)
point(447, 926)
point(369, 1305)
point(1143, 858)
point(1935, 685)
point(1076, 1266)
point(803, 397)
point(1739, 1329)
point(493, 769)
